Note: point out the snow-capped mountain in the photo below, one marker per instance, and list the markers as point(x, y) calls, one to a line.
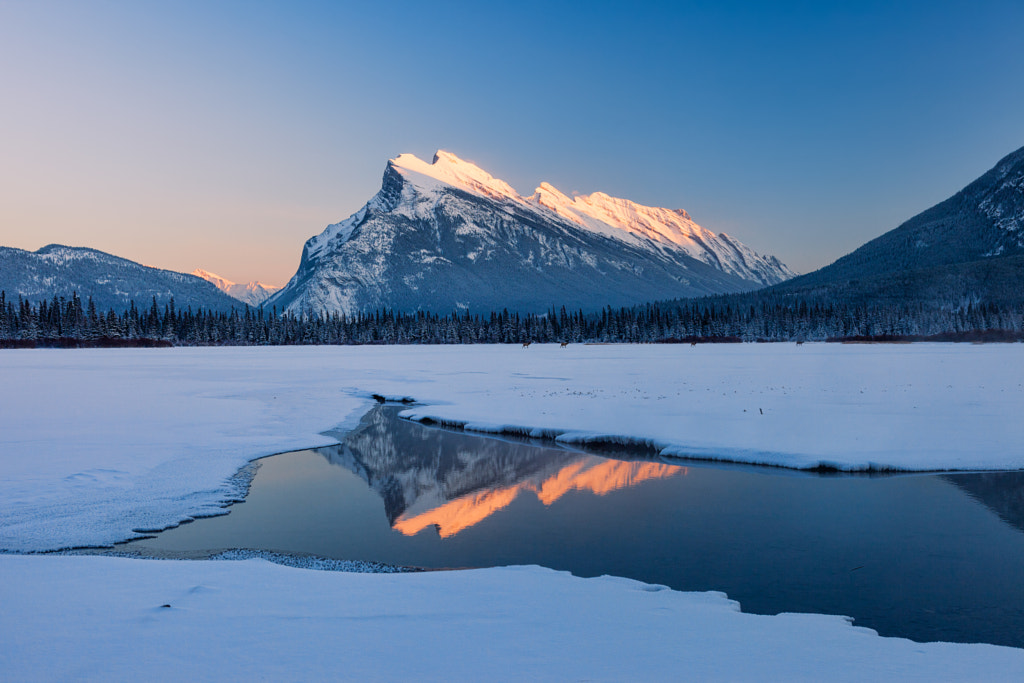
point(253, 293)
point(448, 236)
point(112, 282)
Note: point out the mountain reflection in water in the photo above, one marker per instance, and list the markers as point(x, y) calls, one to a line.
point(929, 557)
point(430, 477)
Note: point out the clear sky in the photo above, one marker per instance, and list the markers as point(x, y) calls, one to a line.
point(222, 135)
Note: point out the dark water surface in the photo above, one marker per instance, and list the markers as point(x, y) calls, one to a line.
point(927, 557)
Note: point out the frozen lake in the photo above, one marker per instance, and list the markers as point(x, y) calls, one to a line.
point(928, 557)
point(96, 443)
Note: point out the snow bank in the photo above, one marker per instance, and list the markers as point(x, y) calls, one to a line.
point(849, 407)
point(96, 445)
point(101, 618)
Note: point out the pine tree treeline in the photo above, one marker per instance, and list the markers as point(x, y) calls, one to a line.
point(69, 322)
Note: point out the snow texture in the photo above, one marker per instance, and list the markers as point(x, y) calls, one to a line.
point(103, 618)
point(97, 443)
point(673, 228)
point(1004, 204)
point(99, 446)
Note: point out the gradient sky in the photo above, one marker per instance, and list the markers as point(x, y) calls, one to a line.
point(222, 135)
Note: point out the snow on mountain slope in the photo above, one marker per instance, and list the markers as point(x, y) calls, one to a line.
point(253, 293)
point(449, 236)
point(1003, 204)
point(608, 216)
point(613, 216)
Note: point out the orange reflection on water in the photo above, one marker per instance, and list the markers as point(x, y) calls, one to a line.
point(454, 516)
point(597, 475)
point(602, 477)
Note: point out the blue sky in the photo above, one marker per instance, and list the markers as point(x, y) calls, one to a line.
point(223, 135)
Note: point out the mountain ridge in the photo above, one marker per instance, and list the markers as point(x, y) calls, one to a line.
point(603, 214)
point(982, 221)
point(111, 281)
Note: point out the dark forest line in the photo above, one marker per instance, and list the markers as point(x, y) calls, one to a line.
point(72, 323)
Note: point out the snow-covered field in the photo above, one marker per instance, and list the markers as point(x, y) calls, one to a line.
point(97, 618)
point(98, 444)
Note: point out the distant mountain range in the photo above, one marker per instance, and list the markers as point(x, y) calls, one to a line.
point(112, 282)
point(253, 293)
point(447, 236)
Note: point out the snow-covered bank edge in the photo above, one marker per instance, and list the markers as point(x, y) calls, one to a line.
point(313, 562)
point(287, 559)
point(599, 443)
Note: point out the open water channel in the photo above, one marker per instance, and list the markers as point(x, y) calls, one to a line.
point(927, 557)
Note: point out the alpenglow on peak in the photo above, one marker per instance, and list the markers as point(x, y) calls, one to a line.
point(451, 170)
point(606, 215)
point(450, 236)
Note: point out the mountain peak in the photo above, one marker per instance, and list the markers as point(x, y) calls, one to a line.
point(449, 158)
point(254, 293)
point(221, 283)
point(450, 170)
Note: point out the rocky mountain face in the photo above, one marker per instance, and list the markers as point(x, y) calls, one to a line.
point(252, 293)
point(970, 246)
point(112, 282)
point(447, 236)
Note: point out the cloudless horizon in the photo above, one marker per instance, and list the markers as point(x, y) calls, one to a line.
point(224, 135)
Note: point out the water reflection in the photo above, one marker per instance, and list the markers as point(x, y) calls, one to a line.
point(1001, 492)
point(449, 481)
point(927, 557)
